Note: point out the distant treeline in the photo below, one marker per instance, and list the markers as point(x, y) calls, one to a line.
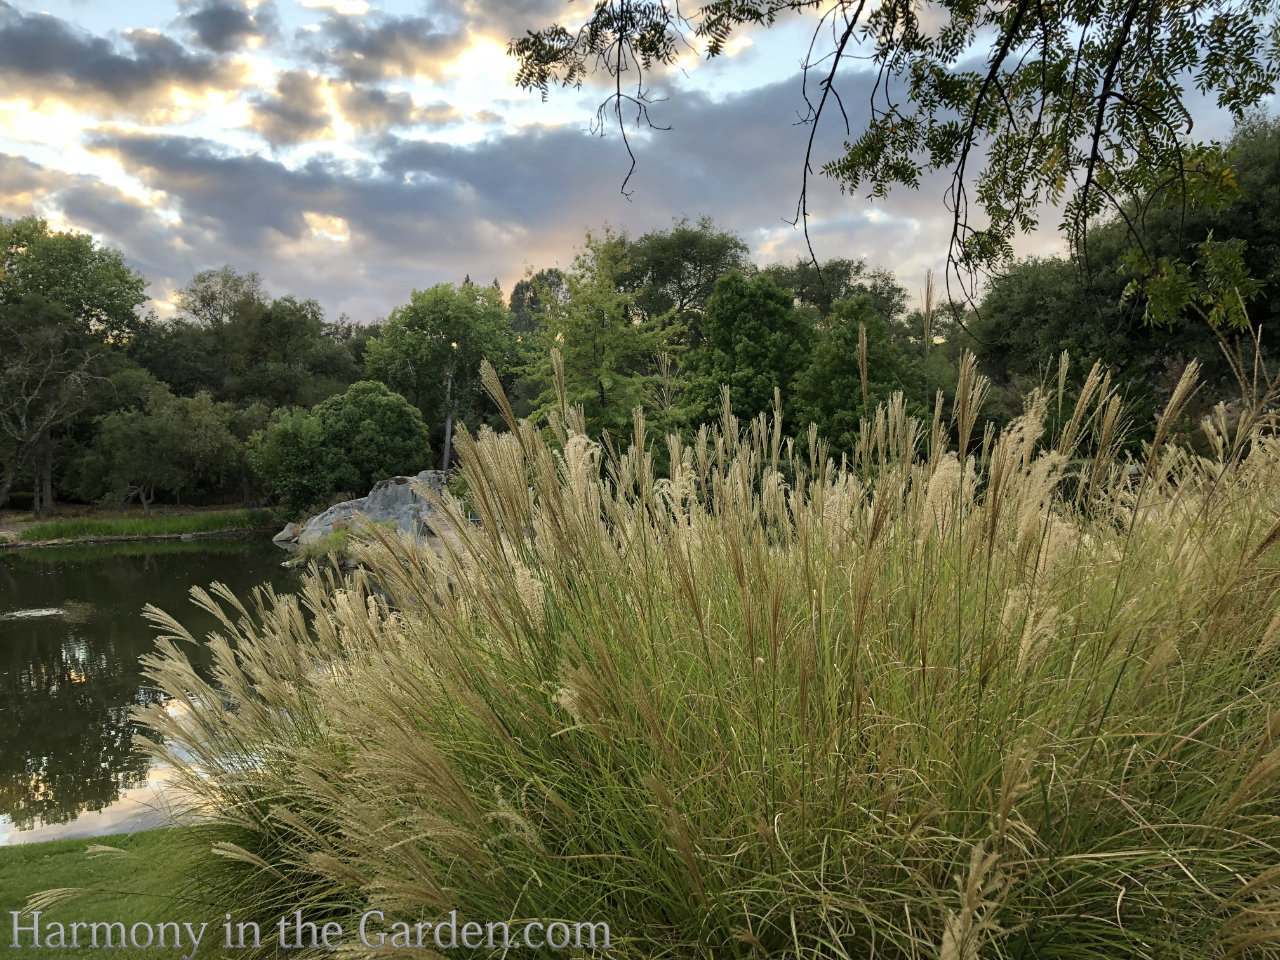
point(250, 397)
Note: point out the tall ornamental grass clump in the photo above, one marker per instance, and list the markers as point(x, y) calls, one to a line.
point(925, 703)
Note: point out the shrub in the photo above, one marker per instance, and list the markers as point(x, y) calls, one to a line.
point(378, 432)
point(21, 500)
point(330, 546)
point(348, 442)
point(923, 706)
point(295, 460)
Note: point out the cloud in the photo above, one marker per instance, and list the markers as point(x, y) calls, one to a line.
point(358, 235)
point(43, 58)
point(504, 20)
point(225, 26)
point(295, 112)
point(371, 109)
point(384, 47)
point(308, 106)
point(23, 185)
point(343, 8)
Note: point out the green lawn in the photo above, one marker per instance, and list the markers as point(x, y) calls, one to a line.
point(205, 522)
point(151, 881)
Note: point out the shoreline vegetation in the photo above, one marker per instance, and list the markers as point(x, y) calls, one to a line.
point(194, 524)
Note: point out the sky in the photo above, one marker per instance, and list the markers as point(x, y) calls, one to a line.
point(352, 151)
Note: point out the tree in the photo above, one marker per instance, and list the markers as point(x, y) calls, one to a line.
point(47, 360)
point(181, 353)
point(674, 271)
point(431, 349)
point(528, 295)
point(214, 298)
point(1043, 306)
point(1200, 243)
point(829, 392)
point(179, 445)
point(294, 460)
point(241, 346)
point(823, 286)
point(608, 351)
point(64, 299)
point(376, 432)
point(1013, 100)
point(348, 442)
point(756, 341)
point(90, 282)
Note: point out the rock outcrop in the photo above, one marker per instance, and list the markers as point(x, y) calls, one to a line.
point(394, 500)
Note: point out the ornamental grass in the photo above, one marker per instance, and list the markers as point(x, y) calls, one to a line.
point(957, 694)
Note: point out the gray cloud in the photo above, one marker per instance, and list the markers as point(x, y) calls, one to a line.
point(298, 110)
point(382, 47)
point(295, 112)
point(371, 109)
point(224, 26)
point(43, 57)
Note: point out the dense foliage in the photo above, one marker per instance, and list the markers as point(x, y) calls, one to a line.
point(345, 443)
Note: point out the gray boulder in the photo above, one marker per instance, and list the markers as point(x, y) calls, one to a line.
point(338, 517)
point(395, 500)
point(289, 534)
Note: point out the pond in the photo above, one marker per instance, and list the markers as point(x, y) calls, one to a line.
point(71, 635)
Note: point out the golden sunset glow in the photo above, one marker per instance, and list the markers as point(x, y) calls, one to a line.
point(52, 123)
point(327, 227)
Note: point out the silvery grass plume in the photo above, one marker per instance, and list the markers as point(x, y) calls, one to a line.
point(929, 703)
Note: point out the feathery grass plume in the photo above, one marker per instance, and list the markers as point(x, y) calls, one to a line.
point(971, 393)
point(923, 703)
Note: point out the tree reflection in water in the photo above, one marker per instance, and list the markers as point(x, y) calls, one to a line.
point(71, 634)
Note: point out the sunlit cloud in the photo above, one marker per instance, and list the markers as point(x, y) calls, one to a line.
point(55, 124)
point(327, 227)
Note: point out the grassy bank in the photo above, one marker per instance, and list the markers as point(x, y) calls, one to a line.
point(150, 877)
point(932, 703)
point(203, 522)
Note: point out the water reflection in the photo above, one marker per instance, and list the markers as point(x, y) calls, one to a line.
point(71, 634)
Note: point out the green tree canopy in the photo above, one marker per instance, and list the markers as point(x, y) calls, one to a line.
point(295, 461)
point(241, 346)
point(674, 271)
point(213, 298)
point(1042, 306)
point(377, 433)
point(829, 390)
point(47, 362)
point(177, 445)
point(347, 443)
point(431, 348)
point(608, 351)
point(71, 269)
point(823, 286)
point(755, 341)
point(528, 295)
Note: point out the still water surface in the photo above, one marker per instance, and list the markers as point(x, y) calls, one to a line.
point(71, 634)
